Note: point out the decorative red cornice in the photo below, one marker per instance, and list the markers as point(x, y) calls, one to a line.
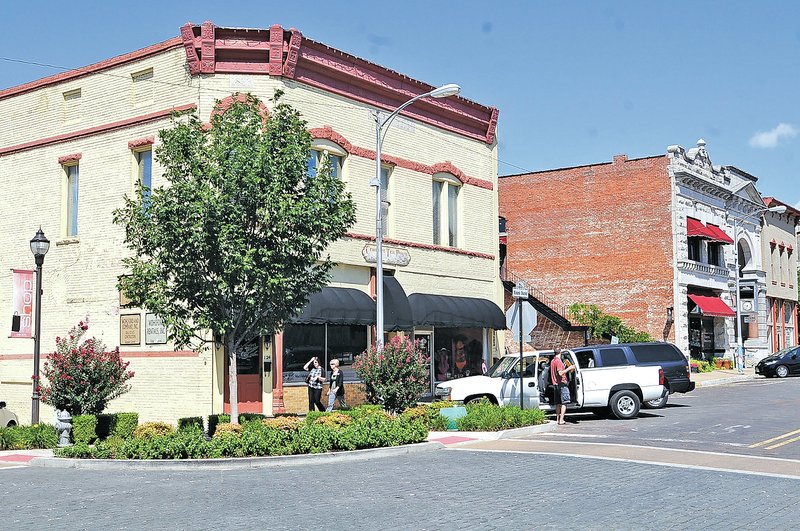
point(773, 244)
point(279, 52)
point(92, 69)
point(781, 246)
point(426, 246)
point(327, 133)
point(68, 159)
point(141, 142)
point(95, 130)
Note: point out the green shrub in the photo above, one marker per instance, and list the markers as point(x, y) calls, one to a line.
point(313, 439)
point(215, 419)
point(283, 423)
point(79, 450)
point(153, 429)
point(37, 436)
point(244, 418)
point(190, 424)
point(108, 448)
point(227, 427)
point(9, 438)
point(124, 425)
point(84, 429)
point(105, 424)
point(227, 444)
point(483, 416)
point(428, 415)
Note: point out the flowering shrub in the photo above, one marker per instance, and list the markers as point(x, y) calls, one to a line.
point(82, 377)
point(396, 376)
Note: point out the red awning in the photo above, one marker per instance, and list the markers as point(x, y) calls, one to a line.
point(696, 228)
point(717, 234)
point(712, 306)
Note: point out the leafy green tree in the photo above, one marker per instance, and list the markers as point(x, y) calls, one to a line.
point(602, 324)
point(235, 244)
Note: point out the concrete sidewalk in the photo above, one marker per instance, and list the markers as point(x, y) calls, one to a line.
point(723, 376)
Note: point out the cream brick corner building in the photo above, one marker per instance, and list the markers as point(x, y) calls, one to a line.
point(72, 145)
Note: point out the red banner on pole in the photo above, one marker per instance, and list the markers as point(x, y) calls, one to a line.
point(22, 301)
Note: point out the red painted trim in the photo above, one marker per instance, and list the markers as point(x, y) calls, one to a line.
point(293, 54)
point(207, 46)
point(92, 69)
point(95, 130)
point(143, 354)
point(141, 142)
point(187, 39)
point(427, 246)
point(275, 50)
point(66, 159)
point(334, 71)
point(225, 103)
point(327, 133)
point(160, 354)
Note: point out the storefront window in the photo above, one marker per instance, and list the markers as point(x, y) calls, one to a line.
point(458, 352)
point(301, 342)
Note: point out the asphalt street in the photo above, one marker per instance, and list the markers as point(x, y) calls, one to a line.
point(442, 489)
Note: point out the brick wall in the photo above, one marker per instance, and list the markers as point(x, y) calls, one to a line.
point(598, 234)
point(295, 398)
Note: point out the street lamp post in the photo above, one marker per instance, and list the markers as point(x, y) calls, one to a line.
point(739, 343)
point(39, 247)
point(441, 92)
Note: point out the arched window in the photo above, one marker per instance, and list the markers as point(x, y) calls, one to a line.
point(323, 150)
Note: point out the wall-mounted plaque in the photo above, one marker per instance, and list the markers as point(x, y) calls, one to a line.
point(130, 329)
point(155, 331)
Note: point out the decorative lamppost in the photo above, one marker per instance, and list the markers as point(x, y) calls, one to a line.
point(39, 247)
point(739, 344)
point(444, 91)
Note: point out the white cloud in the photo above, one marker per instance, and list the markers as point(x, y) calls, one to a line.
point(770, 139)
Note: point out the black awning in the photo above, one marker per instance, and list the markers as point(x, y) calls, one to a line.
point(455, 312)
point(338, 306)
point(396, 309)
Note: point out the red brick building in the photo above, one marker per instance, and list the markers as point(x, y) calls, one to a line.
point(600, 234)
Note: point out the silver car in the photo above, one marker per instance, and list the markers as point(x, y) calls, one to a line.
point(7, 417)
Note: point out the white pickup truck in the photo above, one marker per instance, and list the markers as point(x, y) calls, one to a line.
point(620, 389)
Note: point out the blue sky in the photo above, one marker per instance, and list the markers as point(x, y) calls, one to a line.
point(575, 82)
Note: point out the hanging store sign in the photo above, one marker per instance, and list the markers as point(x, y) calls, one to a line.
point(391, 255)
point(22, 301)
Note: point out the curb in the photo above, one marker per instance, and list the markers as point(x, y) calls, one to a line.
point(723, 381)
point(233, 463)
point(548, 426)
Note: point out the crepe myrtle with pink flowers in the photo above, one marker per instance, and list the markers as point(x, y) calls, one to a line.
point(396, 376)
point(81, 376)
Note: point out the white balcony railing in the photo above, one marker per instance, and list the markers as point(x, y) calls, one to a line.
point(708, 269)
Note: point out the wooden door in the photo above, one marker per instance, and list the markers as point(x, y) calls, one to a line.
point(248, 378)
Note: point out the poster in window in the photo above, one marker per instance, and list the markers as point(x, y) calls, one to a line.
point(130, 329)
point(155, 331)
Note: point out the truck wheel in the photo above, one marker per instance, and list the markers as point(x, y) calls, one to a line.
point(657, 403)
point(625, 404)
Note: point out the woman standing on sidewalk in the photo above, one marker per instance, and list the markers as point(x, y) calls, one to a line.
point(336, 390)
point(314, 382)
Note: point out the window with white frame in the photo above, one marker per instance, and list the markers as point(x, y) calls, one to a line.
point(71, 202)
point(144, 173)
point(323, 151)
point(446, 205)
point(386, 201)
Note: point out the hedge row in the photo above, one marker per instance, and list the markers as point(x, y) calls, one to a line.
point(322, 432)
point(90, 428)
point(484, 416)
point(28, 437)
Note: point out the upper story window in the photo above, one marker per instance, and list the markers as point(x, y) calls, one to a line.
point(323, 151)
point(446, 206)
point(71, 106)
point(694, 246)
point(71, 203)
point(142, 87)
point(144, 173)
point(715, 254)
point(386, 200)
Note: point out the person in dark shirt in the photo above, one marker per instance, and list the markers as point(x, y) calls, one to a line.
point(336, 390)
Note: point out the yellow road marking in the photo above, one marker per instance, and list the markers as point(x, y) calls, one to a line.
point(779, 437)
point(783, 442)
